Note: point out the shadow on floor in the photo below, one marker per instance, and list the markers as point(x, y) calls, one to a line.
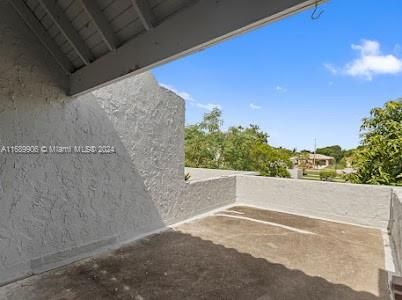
point(174, 265)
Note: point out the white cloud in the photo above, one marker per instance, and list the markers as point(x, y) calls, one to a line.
point(367, 47)
point(254, 106)
point(281, 89)
point(188, 97)
point(371, 62)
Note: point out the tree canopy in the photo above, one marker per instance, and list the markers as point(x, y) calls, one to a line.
point(335, 151)
point(378, 160)
point(238, 148)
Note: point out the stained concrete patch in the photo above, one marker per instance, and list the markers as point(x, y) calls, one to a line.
point(220, 257)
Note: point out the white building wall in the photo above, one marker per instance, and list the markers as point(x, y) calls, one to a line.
point(56, 208)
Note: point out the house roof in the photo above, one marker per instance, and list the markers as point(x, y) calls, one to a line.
point(320, 157)
point(316, 156)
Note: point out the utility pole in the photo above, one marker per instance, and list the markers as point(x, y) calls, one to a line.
point(315, 149)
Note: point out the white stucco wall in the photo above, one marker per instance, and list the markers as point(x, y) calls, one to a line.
point(204, 195)
point(55, 208)
point(395, 228)
point(357, 204)
point(149, 121)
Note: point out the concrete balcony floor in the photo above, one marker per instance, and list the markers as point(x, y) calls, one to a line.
point(237, 253)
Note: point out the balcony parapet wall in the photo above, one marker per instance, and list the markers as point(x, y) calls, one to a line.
point(365, 205)
point(395, 227)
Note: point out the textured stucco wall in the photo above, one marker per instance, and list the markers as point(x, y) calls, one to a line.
point(358, 204)
point(395, 228)
point(55, 208)
point(150, 124)
point(201, 196)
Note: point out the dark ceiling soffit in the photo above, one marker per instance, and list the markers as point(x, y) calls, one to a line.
point(197, 27)
point(37, 28)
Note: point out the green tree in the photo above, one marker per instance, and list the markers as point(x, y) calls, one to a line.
point(239, 144)
point(335, 151)
point(379, 158)
point(270, 161)
point(238, 148)
point(203, 142)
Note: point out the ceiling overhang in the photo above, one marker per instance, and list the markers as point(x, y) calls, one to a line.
point(99, 41)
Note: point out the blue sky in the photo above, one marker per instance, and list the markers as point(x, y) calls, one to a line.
point(299, 79)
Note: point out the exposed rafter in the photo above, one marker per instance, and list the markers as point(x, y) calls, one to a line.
point(194, 28)
point(33, 23)
point(67, 29)
point(94, 12)
point(145, 13)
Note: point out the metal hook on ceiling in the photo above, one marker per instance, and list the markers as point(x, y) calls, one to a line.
point(315, 15)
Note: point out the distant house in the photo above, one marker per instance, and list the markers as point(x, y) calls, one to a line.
point(313, 161)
